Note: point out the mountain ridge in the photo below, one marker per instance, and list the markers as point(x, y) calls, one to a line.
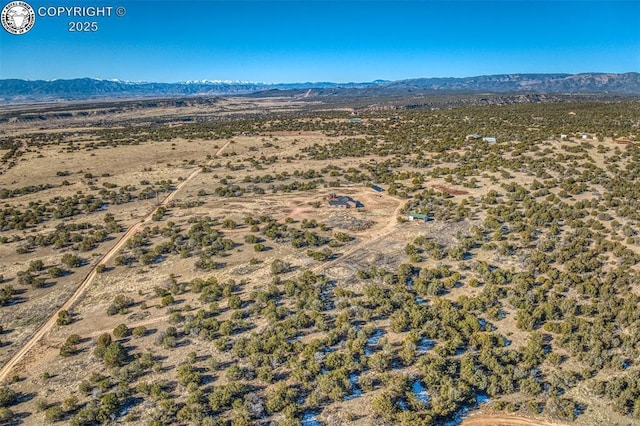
point(19, 91)
point(625, 83)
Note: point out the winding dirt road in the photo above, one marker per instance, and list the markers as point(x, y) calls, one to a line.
point(84, 285)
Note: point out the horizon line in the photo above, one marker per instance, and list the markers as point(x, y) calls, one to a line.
point(227, 81)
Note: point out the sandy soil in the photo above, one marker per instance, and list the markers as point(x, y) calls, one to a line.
point(50, 323)
point(504, 420)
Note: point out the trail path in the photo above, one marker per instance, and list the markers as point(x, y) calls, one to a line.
point(86, 282)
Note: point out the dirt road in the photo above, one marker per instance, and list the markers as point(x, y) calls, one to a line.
point(5, 165)
point(388, 228)
point(84, 285)
point(504, 420)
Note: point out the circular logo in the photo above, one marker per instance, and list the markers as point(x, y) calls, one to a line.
point(18, 17)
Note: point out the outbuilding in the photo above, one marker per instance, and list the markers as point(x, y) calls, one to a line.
point(417, 216)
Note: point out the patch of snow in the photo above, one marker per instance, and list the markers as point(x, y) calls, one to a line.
point(356, 391)
point(310, 419)
point(420, 392)
point(372, 341)
point(425, 344)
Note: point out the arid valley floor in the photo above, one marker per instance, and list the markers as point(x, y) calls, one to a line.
point(180, 263)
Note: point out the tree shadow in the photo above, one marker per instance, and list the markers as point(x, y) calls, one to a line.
point(15, 301)
point(580, 408)
point(26, 397)
point(183, 343)
point(47, 284)
point(19, 418)
point(150, 331)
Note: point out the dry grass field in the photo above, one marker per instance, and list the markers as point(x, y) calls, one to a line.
point(182, 265)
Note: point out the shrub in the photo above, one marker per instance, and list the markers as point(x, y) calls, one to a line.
point(115, 355)
point(64, 318)
point(560, 408)
point(53, 413)
point(168, 338)
point(36, 265)
point(159, 213)
point(229, 224)
point(69, 348)
point(87, 415)
point(279, 267)
point(5, 415)
point(25, 278)
point(121, 331)
point(234, 373)
point(38, 282)
point(168, 300)
point(57, 272)
point(139, 331)
point(235, 302)
point(251, 239)
point(85, 388)
point(8, 397)
point(342, 237)
point(71, 403)
point(104, 339)
point(74, 339)
point(42, 404)
point(120, 304)
point(71, 260)
point(5, 294)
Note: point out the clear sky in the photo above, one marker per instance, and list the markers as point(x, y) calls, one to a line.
point(324, 40)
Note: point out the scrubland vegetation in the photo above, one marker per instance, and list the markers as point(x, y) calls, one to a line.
point(521, 290)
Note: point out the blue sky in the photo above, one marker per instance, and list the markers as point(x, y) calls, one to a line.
point(323, 40)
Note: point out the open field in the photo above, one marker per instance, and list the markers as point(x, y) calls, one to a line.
point(156, 270)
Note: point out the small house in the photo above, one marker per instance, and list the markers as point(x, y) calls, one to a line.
point(489, 139)
point(355, 120)
point(343, 202)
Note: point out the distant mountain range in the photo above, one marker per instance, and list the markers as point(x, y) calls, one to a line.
point(21, 91)
point(628, 83)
